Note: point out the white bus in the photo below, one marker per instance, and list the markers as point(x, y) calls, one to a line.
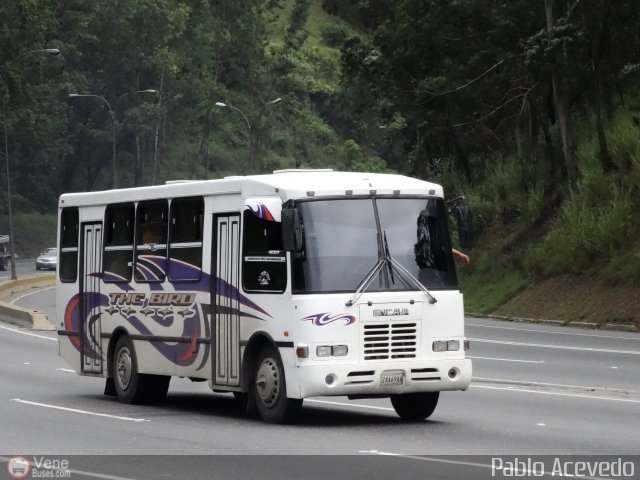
point(274, 287)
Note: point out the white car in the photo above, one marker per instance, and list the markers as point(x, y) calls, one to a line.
point(47, 260)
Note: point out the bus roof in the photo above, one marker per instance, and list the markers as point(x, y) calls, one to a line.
point(287, 184)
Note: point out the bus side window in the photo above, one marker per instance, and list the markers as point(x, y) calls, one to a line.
point(69, 224)
point(264, 267)
point(185, 239)
point(118, 243)
point(151, 241)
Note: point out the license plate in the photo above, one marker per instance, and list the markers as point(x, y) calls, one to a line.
point(391, 378)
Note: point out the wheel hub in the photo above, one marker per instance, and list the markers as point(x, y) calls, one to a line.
point(123, 368)
point(268, 382)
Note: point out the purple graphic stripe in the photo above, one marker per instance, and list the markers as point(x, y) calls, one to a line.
point(321, 319)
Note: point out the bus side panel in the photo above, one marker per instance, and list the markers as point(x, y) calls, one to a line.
point(168, 339)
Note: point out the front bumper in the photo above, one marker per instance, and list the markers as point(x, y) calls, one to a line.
point(364, 379)
point(48, 265)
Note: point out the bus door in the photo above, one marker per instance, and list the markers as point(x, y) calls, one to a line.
point(225, 299)
point(90, 310)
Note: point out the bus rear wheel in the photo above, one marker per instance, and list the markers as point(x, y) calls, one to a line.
point(270, 389)
point(415, 406)
point(131, 386)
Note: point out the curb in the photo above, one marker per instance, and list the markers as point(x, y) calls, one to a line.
point(13, 286)
point(559, 323)
point(25, 317)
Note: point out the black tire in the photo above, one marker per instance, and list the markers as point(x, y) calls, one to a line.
point(131, 386)
point(415, 406)
point(269, 389)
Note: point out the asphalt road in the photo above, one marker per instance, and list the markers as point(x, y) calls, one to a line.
point(537, 390)
point(24, 268)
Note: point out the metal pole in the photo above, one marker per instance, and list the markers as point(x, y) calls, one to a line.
point(48, 51)
point(113, 148)
point(114, 126)
point(6, 157)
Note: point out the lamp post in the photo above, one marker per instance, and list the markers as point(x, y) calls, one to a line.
point(251, 143)
point(221, 104)
point(114, 125)
point(48, 51)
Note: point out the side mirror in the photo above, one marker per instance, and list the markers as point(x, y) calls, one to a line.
point(291, 230)
point(464, 221)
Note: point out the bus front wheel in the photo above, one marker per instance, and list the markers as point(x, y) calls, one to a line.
point(270, 389)
point(415, 406)
point(131, 386)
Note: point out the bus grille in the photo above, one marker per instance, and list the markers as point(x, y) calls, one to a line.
point(389, 341)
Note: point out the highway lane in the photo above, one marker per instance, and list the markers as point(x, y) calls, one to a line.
point(508, 414)
point(24, 268)
point(537, 390)
point(532, 353)
point(516, 352)
point(45, 408)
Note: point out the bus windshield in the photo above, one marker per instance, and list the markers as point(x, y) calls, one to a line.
point(344, 239)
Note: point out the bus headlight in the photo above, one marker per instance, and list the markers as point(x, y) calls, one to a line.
point(340, 350)
point(323, 351)
point(446, 345)
point(331, 350)
point(439, 346)
point(453, 345)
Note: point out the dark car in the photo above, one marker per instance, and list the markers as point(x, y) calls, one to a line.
point(47, 260)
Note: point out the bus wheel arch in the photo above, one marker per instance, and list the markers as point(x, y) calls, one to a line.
point(255, 344)
point(264, 381)
point(129, 385)
point(109, 386)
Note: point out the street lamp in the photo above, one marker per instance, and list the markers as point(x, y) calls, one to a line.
point(113, 121)
point(48, 51)
point(221, 104)
point(251, 143)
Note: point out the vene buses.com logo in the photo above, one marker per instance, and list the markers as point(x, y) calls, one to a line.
point(18, 467)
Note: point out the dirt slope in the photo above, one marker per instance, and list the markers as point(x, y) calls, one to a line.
point(569, 298)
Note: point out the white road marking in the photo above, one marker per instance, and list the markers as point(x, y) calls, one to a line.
point(20, 297)
point(560, 394)
point(78, 472)
point(345, 404)
point(27, 363)
point(506, 359)
point(28, 333)
point(541, 425)
point(74, 410)
point(557, 347)
point(592, 335)
point(527, 383)
point(65, 370)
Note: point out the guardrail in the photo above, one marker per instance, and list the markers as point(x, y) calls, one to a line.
point(26, 317)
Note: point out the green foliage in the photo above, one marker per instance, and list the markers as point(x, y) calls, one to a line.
point(456, 92)
point(33, 232)
point(484, 292)
point(597, 225)
point(334, 35)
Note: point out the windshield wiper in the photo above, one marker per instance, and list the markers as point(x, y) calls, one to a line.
point(387, 256)
point(390, 263)
point(412, 278)
point(366, 281)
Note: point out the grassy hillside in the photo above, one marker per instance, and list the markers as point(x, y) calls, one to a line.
point(33, 232)
point(581, 244)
